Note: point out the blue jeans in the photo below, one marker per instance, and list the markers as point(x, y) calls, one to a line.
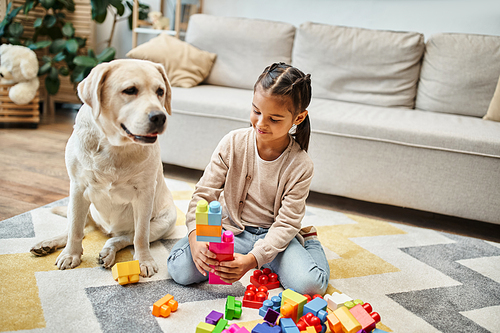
point(301, 268)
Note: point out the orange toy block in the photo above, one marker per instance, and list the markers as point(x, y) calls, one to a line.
point(292, 304)
point(208, 230)
point(164, 306)
point(349, 323)
point(126, 272)
point(334, 323)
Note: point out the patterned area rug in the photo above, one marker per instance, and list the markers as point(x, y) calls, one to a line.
point(418, 280)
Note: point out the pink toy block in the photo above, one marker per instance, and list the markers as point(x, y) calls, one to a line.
point(365, 316)
point(235, 329)
point(224, 251)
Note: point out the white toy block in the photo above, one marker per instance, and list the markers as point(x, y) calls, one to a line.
point(336, 300)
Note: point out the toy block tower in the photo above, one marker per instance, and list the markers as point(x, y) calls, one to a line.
point(209, 229)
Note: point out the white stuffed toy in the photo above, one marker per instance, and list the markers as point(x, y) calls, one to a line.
point(19, 66)
point(159, 21)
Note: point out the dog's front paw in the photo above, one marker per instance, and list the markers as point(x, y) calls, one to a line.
point(68, 259)
point(107, 257)
point(148, 267)
point(43, 248)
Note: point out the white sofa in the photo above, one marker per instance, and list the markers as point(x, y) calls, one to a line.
point(395, 119)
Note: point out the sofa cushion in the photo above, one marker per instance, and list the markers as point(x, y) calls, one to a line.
point(459, 73)
point(244, 47)
point(360, 65)
point(415, 128)
point(494, 108)
point(186, 65)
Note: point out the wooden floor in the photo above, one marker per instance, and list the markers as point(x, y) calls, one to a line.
point(33, 174)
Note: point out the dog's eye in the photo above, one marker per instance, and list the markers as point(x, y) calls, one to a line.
point(160, 92)
point(130, 91)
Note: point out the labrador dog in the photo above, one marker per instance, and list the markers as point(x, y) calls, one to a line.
point(114, 165)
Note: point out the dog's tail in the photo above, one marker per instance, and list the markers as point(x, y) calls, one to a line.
point(60, 210)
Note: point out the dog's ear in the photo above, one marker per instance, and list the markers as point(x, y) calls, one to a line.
point(168, 92)
point(89, 90)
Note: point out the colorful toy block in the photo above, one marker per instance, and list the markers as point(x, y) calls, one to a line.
point(317, 307)
point(365, 316)
point(271, 317)
point(208, 221)
point(213, 317)
point(233, 308)
point(224, 251)
point(266, 305)
point(204, 328)
point(221, 326)
point(266, 328)
point(214, 214)
point(334, 323)
point(349, 323)
point(336, 300)
point(288, 326)
point(292, 304)
point(378, 330)
point(126, 272)
point(202, 212)
point(352, 304)
point(265, 277)
point(310, 320)
point(310, 329)
point(164, 306)
point(235, 329)
point(254, 298)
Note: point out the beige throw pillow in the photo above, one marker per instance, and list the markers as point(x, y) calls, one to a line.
point(494, 109)
point(186, 65)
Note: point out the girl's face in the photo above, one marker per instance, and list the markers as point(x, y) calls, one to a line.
point(272, 117)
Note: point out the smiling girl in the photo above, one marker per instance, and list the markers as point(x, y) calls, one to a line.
point(261, 176)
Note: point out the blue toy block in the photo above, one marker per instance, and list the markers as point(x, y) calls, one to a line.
point(276, 303)
point(317, 307)
point(266, 305)
point(266, 328)
point(288, 326)
point(214, 213)
point(208, 239)
point(378, 330)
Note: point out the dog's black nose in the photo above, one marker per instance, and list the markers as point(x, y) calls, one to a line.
point(157, 117)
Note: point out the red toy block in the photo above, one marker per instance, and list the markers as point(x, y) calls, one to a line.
point(164, 306)
point(365, 316)
point(309, 320)
point(254, 297)
point(265, 277)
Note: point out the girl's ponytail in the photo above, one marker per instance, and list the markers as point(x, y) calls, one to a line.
point(303, 133)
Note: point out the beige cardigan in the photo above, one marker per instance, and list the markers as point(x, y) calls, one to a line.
point(228, 177)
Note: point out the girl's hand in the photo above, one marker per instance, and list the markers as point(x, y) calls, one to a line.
point(202, 257)
point(232, 271)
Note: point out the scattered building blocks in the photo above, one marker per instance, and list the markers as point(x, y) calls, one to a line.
point(336, 300)
point(288, 326)
point(317, 307)
point(213, 317)
point(266, 278)
point(365, 316)
point(310, 320)
point(254, 298)
point(233, 308)
point(204, 328)
point(266, 328)
point(292, 304)
point(349, 323)
point(126, 272)
point(334, 323)
point(164, 306)
point(224, 250)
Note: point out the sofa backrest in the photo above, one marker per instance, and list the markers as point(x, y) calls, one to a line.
point(374, 67)
point(244, 47)
point(459, 73)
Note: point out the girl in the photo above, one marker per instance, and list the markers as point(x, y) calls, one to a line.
point(261, 176)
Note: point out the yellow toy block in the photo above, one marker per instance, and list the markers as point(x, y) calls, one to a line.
point(349, 323)
point(310, 329)
point(334, 323)
point(204, 328)
point(126, 272)
point(292, 304)
point(202, 212)
point(164, 306)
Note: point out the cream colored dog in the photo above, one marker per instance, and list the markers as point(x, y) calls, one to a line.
point(114, 165)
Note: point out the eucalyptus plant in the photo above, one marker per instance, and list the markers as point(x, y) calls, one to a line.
point(53, 33)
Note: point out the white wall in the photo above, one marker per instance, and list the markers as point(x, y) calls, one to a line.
point(425, 16)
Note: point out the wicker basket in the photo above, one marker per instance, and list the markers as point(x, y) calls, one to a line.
point(13, 113)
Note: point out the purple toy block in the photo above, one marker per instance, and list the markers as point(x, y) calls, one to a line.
point(266, 328)
point(271, 316)
point(213, 317)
